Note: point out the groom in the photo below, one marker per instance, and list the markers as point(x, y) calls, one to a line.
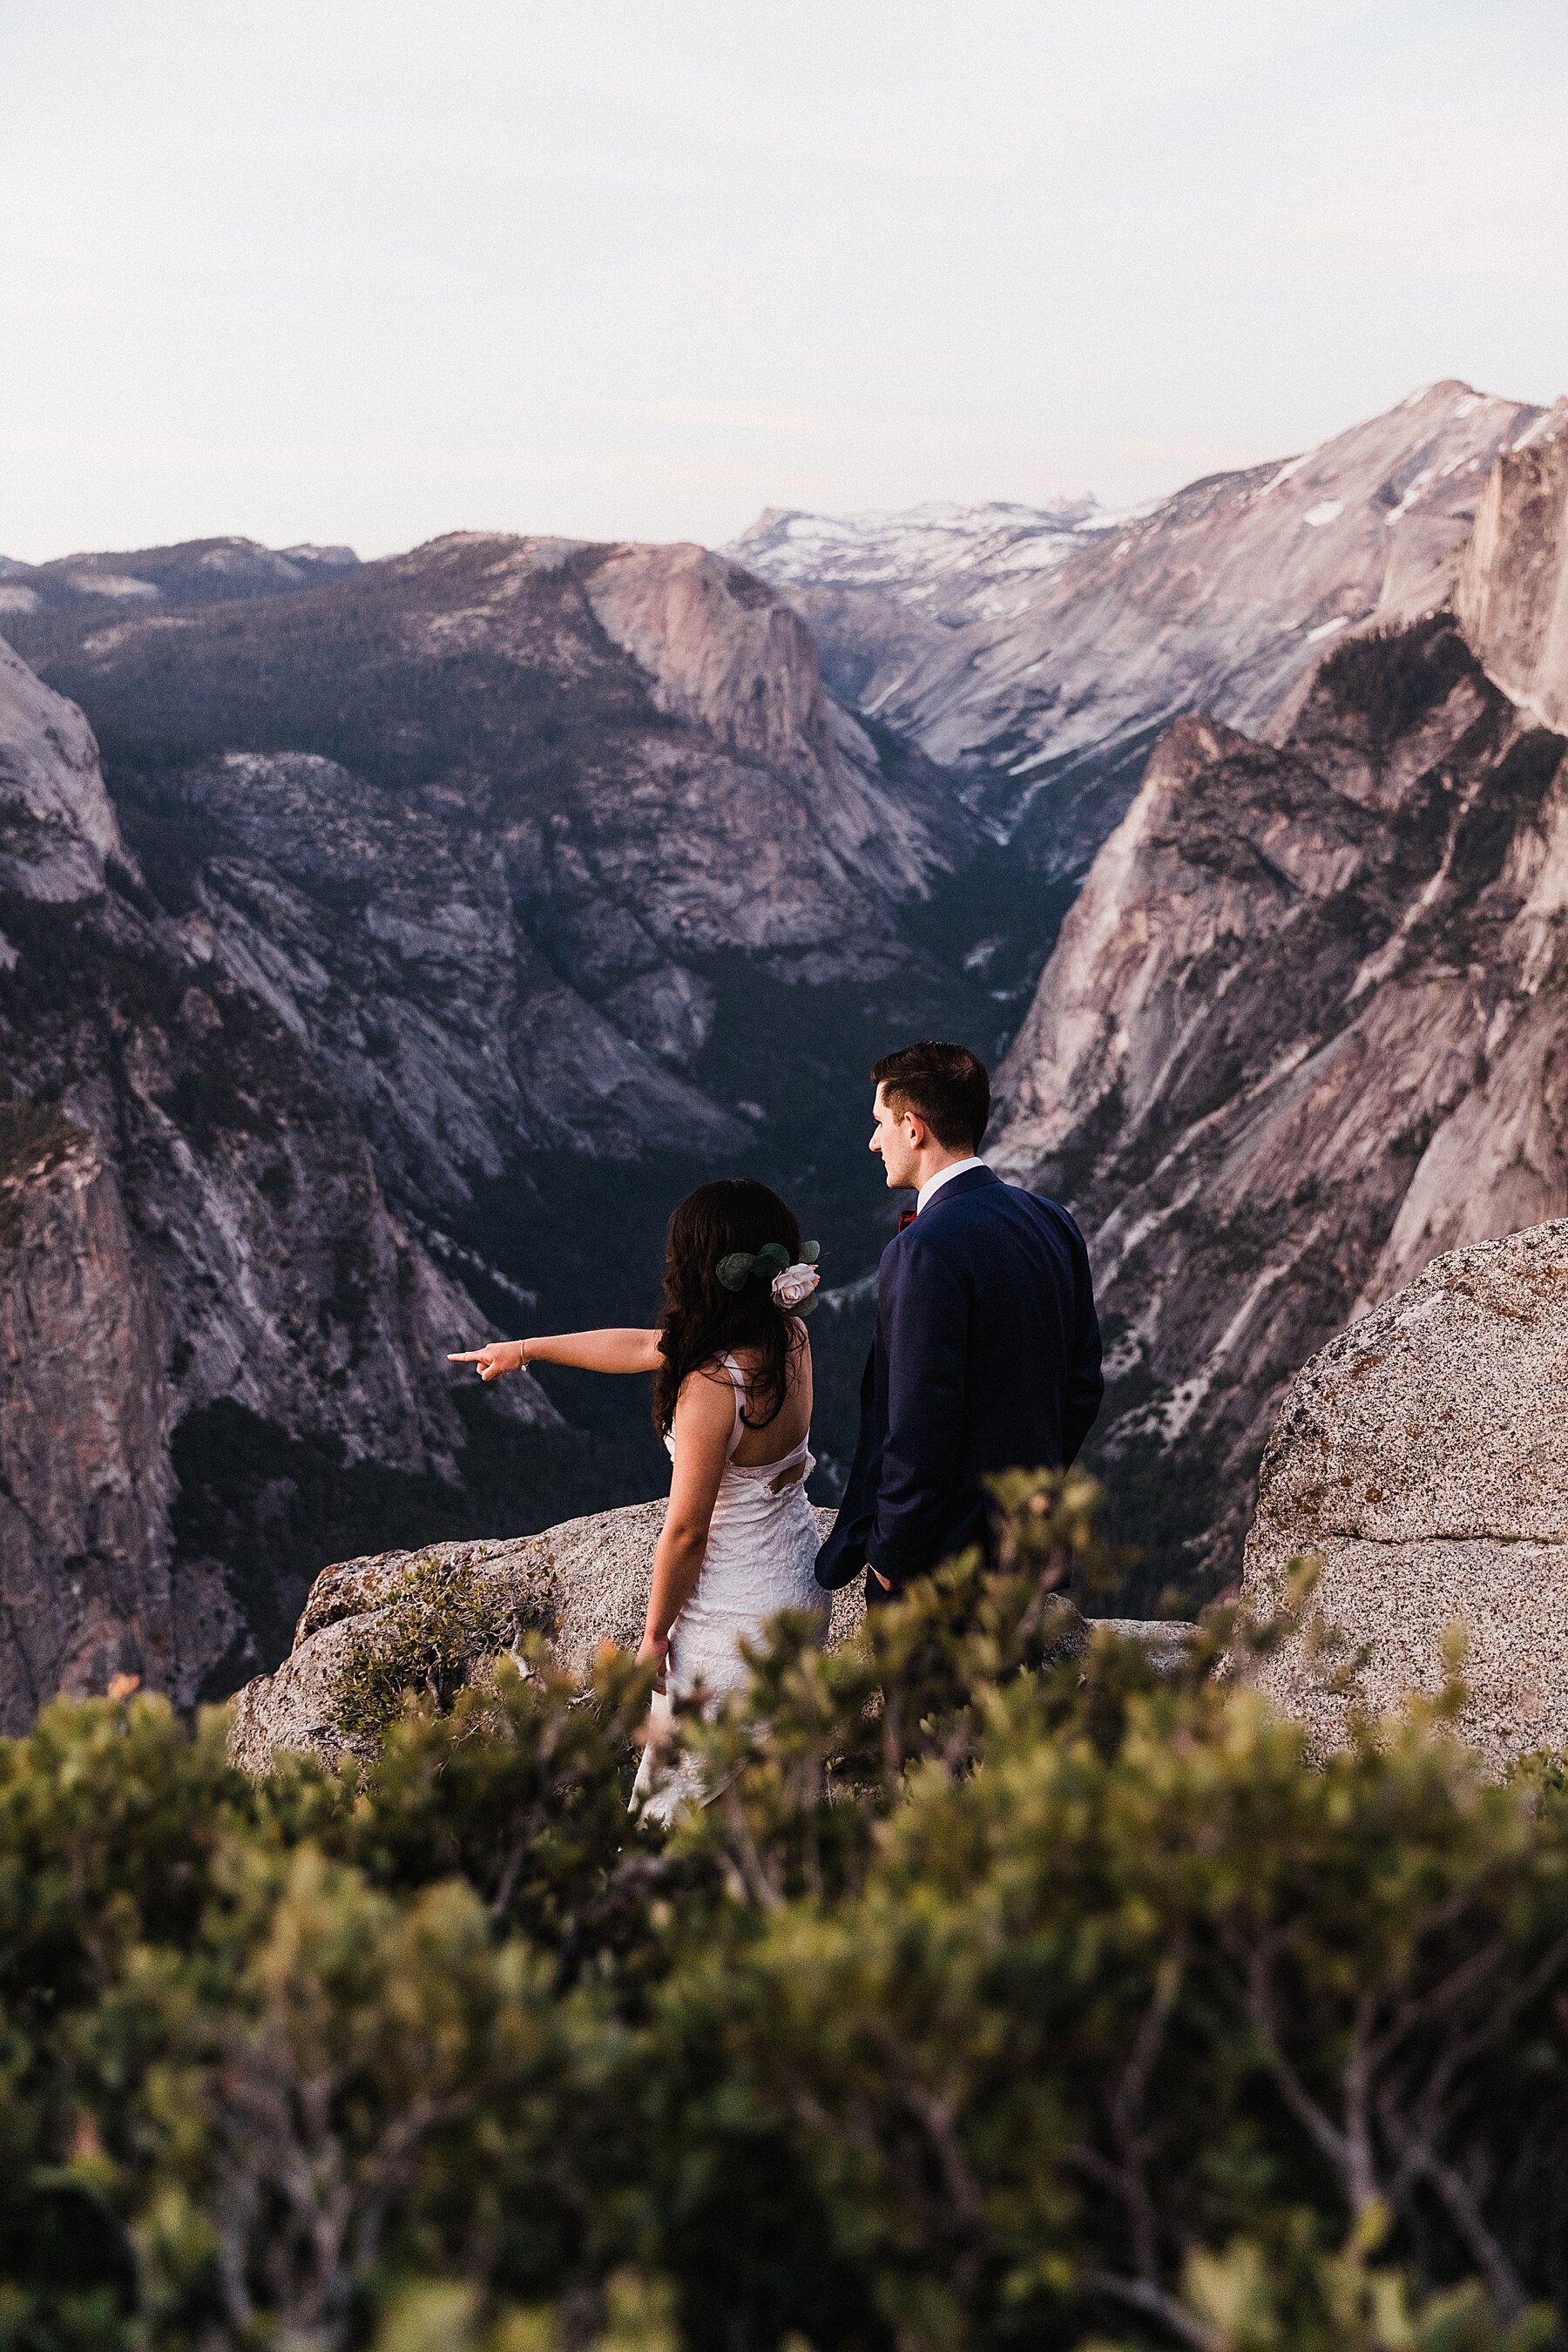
point(986, 1356)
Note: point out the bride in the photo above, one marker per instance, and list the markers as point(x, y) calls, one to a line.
point(732, 1398)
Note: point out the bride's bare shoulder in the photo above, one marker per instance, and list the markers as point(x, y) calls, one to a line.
point(708, 1392)
point(714, 1381)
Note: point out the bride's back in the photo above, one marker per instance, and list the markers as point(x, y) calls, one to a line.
point(757, 1448)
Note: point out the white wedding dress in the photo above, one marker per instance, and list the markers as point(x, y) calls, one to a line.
point(761, 1558)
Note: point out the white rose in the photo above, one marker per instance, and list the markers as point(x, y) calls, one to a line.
point(794, 1284)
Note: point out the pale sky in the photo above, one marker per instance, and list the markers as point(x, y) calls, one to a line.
point(368, 270)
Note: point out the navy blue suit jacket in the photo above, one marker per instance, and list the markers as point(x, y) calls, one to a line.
point(987, 1358)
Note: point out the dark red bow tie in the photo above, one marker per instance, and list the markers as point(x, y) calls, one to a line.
point(906, 1217)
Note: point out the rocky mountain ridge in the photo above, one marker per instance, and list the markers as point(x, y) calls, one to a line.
point(482, 824)
point(881, 587)
point(191, 573)
point(1303, 1029)
point(1217, 599)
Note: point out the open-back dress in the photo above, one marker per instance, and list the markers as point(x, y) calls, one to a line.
point(761, 1558)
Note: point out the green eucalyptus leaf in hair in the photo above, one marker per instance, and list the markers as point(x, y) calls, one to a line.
point(771, 1259)
point(733, 1271)
point(810, 1252)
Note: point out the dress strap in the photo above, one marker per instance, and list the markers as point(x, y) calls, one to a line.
point(739, 1378)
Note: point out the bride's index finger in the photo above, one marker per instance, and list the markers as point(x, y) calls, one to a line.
point(471, 1357)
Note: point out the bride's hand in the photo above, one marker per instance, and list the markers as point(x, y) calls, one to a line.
point(500, 1356)
point(653, 1651)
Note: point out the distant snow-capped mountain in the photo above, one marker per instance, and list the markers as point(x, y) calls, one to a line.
point(956, 563)
point(1042, 653)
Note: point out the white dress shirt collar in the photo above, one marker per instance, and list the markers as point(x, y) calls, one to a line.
point(945, 1176)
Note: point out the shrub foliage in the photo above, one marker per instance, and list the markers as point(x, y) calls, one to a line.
point(441, 1618)
point(1010, 1993)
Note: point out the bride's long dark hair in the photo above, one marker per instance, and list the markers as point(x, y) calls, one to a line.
point(701, 1320)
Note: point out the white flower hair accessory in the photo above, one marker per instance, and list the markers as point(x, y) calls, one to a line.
point(790, 1285)
point(793, 1286)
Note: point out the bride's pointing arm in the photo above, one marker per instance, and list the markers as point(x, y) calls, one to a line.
point(615, 1349)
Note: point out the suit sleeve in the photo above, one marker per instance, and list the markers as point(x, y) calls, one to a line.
point(928, 1354)
point(1084, 1386)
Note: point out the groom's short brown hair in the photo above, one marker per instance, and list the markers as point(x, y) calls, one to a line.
point(947, 1085)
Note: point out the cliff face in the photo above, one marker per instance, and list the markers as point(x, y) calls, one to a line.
point(85, 1421)
point(56, 827)
point(1513, 594)
point(1302, 1031)
point(472, 905)
point(726, 655)
point(195, 1245)
point(1216, 600)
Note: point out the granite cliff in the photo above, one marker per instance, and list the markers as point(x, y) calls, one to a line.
point(1511, 597)
point(1304, 1030)
point(193, 1239)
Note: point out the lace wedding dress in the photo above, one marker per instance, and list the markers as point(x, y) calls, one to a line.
point(761, 1558)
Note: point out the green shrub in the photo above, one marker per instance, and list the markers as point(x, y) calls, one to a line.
point(1011, 1993)
point(440, 1619)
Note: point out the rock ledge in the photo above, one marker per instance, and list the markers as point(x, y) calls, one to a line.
point(1421, 1458)
point(586, 1582)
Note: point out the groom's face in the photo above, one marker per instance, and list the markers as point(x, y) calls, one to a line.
point(895, 1139)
